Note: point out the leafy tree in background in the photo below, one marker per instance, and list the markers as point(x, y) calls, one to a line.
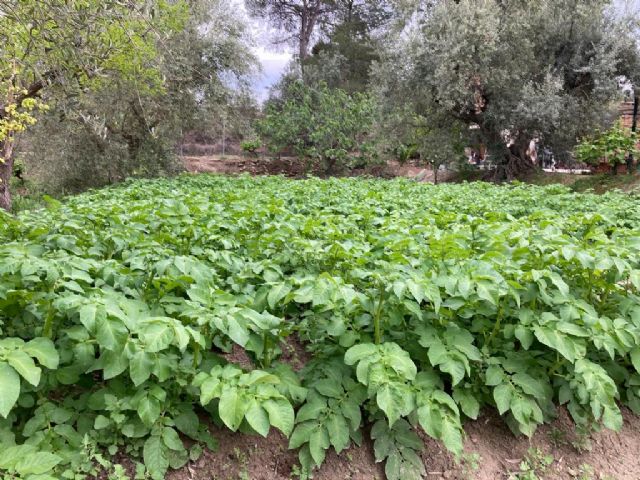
point(69, 47)
point(511, 71)
point(350, 44)
point(123, 129)
point(321, 124)
point(296, 19)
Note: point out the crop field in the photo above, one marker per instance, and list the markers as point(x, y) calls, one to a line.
point(417, 307)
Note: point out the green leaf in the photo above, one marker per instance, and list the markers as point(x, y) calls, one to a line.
point(25, 366)
point(301, 434)
point(635, 358)
point(395, 401)
point(258, 418)
point(155, 457)
point(502, 395)
point(467, 401)
point(231, 408)
point(140, 367)
point(157, 337)
point(210, 389)
point(359, 352)
point(37, 463)
point(10, 456)
point(10, 390)
point(101, 422)
point(277, 293)
point(281, 415)
point(187, 422)
point(318, 443)
point(44, 350)
point(111, 334)
point(329, 388)
point(88, 317)
point(171, 439)
point(338, 432)
point(113, 364)
point(149, 410)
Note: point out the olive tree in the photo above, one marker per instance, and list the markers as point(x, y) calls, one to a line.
point(121, 129)
point(511, 71)
point(68, 47)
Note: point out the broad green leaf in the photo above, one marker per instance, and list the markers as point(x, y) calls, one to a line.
point(635, 358)
point(157, 337)
point(155, 458)
point(37, 463)
point(338, 431)
point(25, 366)
point(277, 293)
point(318, 443)
point(44, 350)
point(359, 352)
point(140, 367)
point(281, 414)
point(88, 317)
point(301, 434)
point(258, 418)
point(149, 410)
point(111, 334)
point(10, 382)
point(10, 456)
point(502, 395)
point(171, 439)
point(231, 408)
point(187, 422)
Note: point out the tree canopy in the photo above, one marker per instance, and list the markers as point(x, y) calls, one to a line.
point(510, 71)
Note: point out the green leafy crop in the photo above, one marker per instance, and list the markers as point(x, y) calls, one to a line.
point(122, 311)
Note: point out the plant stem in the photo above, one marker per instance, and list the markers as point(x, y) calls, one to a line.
point(376, 319)
point(496, 326)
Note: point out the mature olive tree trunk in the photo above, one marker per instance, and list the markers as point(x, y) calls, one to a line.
point(6, 169)
point(513, 162)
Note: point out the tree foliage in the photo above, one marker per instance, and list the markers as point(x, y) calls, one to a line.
point(321, 124)
point(298, 20)
point(514, 70)
point(72, 46)
point(122, 128)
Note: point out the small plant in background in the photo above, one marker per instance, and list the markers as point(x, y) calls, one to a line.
point(404, 153)
point(251, 146)
point(612, 147)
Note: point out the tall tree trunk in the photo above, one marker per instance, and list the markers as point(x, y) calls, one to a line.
point(6, 169)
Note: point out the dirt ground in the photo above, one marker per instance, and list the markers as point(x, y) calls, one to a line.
point(492, 452)
point(292, 167)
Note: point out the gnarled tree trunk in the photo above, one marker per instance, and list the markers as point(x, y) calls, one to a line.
point(513, 162)
point(6, 170)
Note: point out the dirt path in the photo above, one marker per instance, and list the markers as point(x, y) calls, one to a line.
point(292, 167)
point(491, 453)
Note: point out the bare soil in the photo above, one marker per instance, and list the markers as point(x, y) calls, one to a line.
point(492, 452)
point(293, 167)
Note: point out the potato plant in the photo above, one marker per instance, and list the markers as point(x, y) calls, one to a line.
point(419, 306)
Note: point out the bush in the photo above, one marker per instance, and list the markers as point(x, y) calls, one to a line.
point(612, 147)
point(321, 124)
point(251, 146)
